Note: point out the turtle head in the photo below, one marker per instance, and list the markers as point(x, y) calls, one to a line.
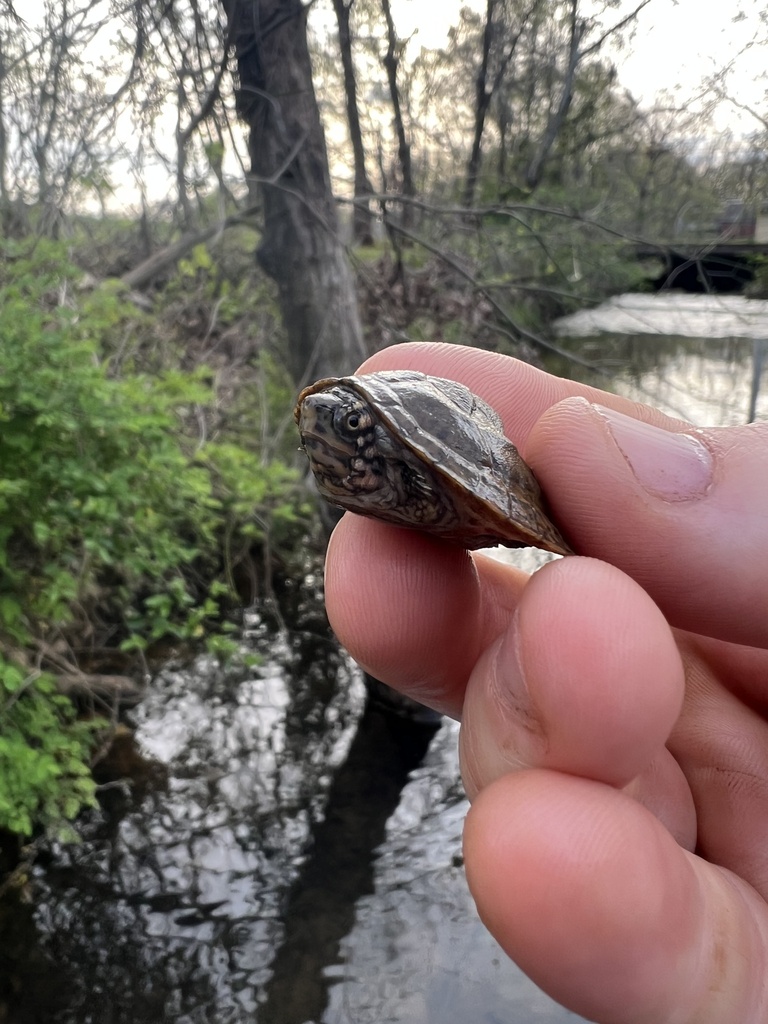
point(356, 460)
point(338, 434)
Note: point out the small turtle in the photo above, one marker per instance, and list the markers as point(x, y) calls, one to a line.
point(422, 452)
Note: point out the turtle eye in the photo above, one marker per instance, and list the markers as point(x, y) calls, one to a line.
point(350, 422)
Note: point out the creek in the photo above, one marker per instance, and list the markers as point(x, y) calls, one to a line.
point(289, 852)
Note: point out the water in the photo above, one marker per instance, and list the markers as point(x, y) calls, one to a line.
point(288, 853)
point(666, 314)
point(690, 355)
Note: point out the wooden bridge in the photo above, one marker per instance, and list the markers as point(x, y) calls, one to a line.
point(698, 266)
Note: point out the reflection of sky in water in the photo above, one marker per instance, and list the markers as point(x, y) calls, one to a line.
point(713, 393)
point(706, 387)
point(672, 314)
point(418, 953)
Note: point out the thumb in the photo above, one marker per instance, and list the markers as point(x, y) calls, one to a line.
point(684, 512)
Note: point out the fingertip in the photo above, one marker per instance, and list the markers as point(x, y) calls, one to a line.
point(609, 685)
point(586, 679)
point(587, 893)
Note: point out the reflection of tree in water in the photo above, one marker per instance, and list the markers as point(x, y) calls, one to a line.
point(339, 868)
point(189, 905)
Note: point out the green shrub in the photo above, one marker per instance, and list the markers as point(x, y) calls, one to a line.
point(44, 775)
point(115, 516)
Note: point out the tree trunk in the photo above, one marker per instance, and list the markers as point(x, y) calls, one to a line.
point(557, 118)
point(485, 90)
point(182, 183)
point(482, 103)
point(4, 196)
point(362, 229)
point(391, 61)
point(300, 247)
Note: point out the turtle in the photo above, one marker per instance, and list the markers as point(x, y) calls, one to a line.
point(425, 453)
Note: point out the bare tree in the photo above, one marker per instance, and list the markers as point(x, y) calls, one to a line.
point(56, 137)
point(361, 223)
point(527, 60)
point(182, 67)
point(497, 53)
point(391, 61)
point(578, 28)
point(559, 112)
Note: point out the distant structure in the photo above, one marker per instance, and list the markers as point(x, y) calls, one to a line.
point(761, 221)
point(736, 221)
point(721, 256)
point(739, 221)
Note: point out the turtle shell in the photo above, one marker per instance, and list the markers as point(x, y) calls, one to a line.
point(423, 452)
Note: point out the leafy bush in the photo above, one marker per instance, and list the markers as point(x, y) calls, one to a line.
point(44, 774)
point(114, 516)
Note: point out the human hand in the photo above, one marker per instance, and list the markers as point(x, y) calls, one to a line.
point(617, 845)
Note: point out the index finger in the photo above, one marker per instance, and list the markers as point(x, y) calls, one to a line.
point(520, 393)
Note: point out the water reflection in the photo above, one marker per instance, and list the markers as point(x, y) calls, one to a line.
point(176, 908)
point(694, 356)
point(672, 314)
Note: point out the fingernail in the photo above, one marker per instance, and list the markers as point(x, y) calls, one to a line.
point(507, 684)
point(675, 467)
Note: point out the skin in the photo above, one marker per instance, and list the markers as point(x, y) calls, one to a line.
point(614, 706)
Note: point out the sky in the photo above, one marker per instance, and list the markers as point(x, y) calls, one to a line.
point(676, 44)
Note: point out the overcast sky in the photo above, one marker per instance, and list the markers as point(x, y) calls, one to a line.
point(677, 43)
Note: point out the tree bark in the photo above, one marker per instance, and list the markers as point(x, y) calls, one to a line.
point(482, 102)
point(485, 90)
point(300, 247)
point(558, 116)
point(362, 228)
point(391, 61)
